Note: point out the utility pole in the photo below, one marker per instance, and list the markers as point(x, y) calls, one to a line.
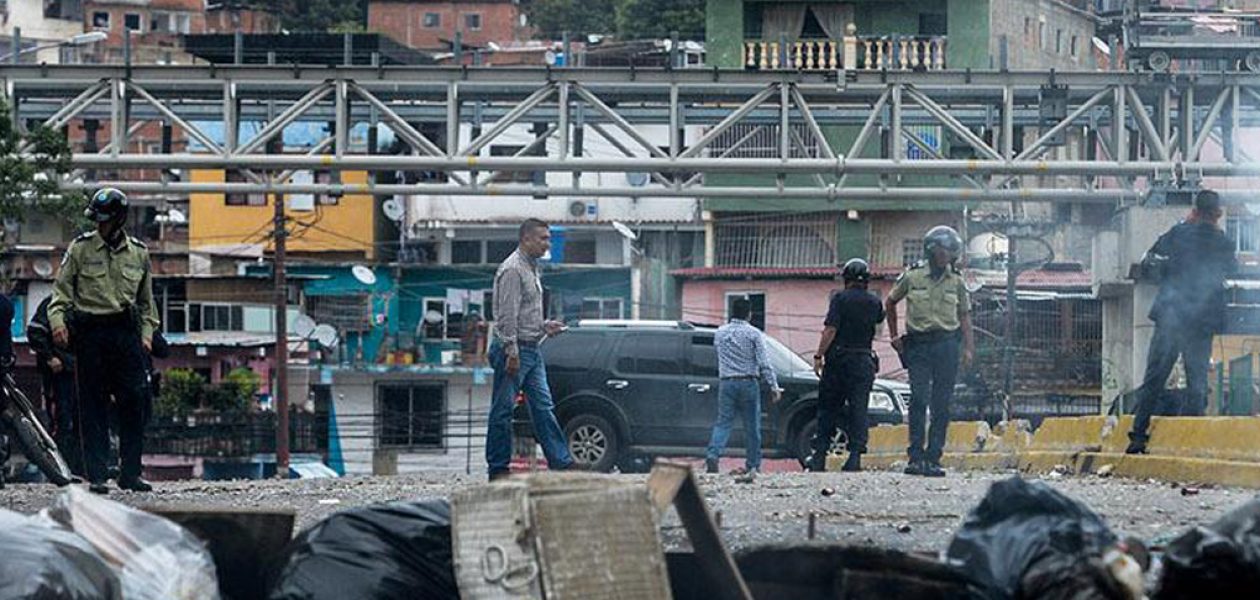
point(280, 392)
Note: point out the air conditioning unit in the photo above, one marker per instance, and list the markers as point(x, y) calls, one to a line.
point(579, 209)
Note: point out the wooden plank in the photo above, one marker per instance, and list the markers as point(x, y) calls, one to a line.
point(701, 530)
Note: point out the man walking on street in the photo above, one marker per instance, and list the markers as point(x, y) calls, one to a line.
point(515, 357)
point(937, 322)
point(846, 366)
point(102, 306)
point(1193, 259)
point(743, 365)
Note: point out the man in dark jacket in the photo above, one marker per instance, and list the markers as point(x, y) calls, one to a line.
point(1192, 260)
point(6, 363)
point(56, 370)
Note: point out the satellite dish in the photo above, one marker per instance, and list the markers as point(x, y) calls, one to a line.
point(393, 209)
point(971, 281)
point(303, 326)
point(174, 215)
point(325, 335)
point(625, 231)
point(363, 274)
point(550, 57)
point(433, 317)
point(637, 179)
point(42, 267)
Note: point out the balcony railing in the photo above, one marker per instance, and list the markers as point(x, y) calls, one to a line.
point(862, 53)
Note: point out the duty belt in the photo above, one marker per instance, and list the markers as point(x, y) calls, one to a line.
point(935, 335)
point(82, 318)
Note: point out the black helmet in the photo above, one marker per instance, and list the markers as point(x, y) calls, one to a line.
point(944, 237)
point(857, 270)
point(107, 204)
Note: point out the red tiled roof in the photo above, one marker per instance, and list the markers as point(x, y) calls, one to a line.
point(771, 272)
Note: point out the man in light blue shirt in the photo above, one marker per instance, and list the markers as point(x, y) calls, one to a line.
point(743, 364)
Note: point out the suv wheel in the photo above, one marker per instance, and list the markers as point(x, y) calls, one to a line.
point(803, 441)
point(593, 442)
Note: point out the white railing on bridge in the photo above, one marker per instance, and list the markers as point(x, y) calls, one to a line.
point(863, 53)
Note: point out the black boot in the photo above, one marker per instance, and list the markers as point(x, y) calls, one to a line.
point(933, 469)
point(134, 484)
point(1136, 447)
point(914, 468)
point(853, 464)
point(711, 466)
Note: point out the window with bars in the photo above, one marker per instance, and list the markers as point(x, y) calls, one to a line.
point(806, 240)
point(1243, 231)
point(911, 252)
point(411, 416)
point(754, 140)
point(345, 313)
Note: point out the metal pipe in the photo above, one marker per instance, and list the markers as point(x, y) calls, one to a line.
point(563, 120)
point(186, 126)
point(287, 117)
point(524, 151)
point(1208, 123)
point(1064, 124)
point(400, 126)
point(805, 166)
point(618, 120)
point(1145, 125)
point(930, 197)
point(950, 122)
point(1008, 122)
point(898, 150)
point(808, 116)
point(865, 133)
point(616, 143)
point(452, 117)
point(739, 113)
point(342, 132)
point(509, 119)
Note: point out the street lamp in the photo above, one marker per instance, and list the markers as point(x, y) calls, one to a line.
point(81, 39)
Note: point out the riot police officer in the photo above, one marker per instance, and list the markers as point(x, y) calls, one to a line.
point(846, 365)
point(938, 331)
point(102, 306)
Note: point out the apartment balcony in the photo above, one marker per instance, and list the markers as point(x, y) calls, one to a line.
point(854, 53)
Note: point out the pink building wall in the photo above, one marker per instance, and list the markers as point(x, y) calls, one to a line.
point(795, 309)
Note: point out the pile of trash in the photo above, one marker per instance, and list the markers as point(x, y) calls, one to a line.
point(534, 537)
point(85, 547)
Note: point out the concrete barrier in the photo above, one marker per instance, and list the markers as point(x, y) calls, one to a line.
point(1219, 450)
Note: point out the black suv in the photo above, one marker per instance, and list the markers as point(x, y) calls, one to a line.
point(629, 390)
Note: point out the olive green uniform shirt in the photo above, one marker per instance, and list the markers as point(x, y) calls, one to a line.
point(98, 280)
point(932, 304)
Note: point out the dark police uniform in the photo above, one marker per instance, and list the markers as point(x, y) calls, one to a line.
point(6, 362)
point(60, 395)
point(933, 344)
point(848, 370)
point(1188, 311)
point(105, 297)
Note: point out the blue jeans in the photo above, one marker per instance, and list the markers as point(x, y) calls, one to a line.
point(532, 379)
point(743, 395)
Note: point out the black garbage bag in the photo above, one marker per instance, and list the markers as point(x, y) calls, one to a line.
point(1221, 560)
point(40, 561)
point(1027, 540)
point(385, 551)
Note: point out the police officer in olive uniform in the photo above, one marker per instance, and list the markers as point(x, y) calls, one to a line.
point(102, 307)
point(846, 366)
point(938, 330)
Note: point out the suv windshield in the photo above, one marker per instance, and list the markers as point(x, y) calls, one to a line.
point(783, 359)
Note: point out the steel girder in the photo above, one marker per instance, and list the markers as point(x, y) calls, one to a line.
point(982, 113)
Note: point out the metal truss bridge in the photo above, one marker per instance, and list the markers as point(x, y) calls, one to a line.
point(1013, 136)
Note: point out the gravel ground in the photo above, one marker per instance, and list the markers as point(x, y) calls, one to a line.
point(874, 507)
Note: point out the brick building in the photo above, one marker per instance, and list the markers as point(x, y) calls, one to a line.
point(432, 24)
